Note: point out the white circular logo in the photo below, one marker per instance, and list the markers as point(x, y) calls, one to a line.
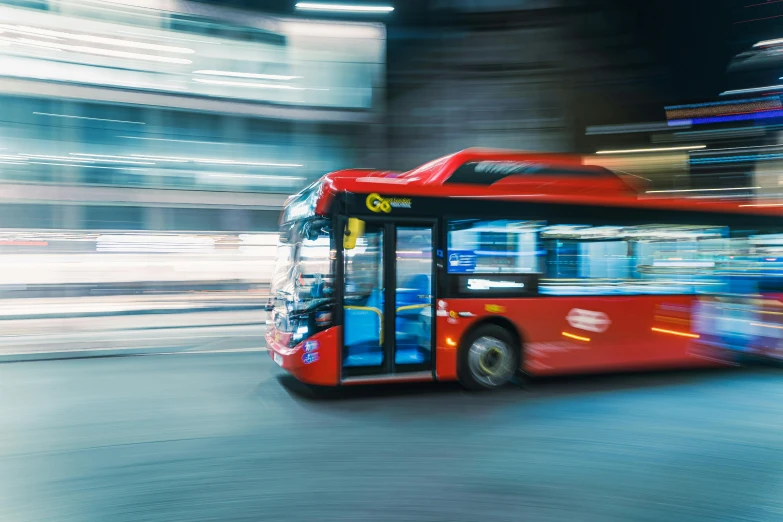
point(588, 320)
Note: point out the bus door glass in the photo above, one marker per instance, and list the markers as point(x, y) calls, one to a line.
point(413, 299)
point(388, 298)
point(364, 298)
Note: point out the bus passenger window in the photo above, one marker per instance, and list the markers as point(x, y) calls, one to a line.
point(502, 245)
point(646, 259)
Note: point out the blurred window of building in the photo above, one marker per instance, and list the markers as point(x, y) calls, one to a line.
point(113, 218)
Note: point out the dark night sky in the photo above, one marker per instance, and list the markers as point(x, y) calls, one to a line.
point(696, 39)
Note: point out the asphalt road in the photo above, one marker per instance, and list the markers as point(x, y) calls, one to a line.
point(55, 338)
point(221, 437)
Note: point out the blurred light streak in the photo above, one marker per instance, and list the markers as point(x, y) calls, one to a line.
point(20, 30)
point(86, 118)
point(763, 205)
point(722, 196)
point(82, 165)
point(767, 325)
point(753, 147)
point(700, 190)
point(758, 19)
point(253, 85)
point(106, 52)
point(131, 162)
point(248, 75)
point(50, 157)
point(161, 158)
point(674, 332)
point(682, 114)
point(730, 117)
point(154, 243)
point(155, 37)
point(716, 104)
point(765, 43)
point(249, 163)
point(752, 89)
point(577, 337)
point(97, 39)
point(734, 132)
point(24, 243)
point(628, 128)
point(313, 6)
point(28, 43)
point(736, 159)
point(175, 141)
point(254, 176)
point(208, 161)
point(764, 3)
point(658, 149)
point(80, 160)
point(132, 159)
point(48, 70)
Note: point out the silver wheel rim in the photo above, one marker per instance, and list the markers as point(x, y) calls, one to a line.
point(491, 361)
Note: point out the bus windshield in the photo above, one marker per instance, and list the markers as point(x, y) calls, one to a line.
point(302, 279)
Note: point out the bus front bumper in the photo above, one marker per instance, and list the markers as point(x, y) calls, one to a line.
point(312, 361)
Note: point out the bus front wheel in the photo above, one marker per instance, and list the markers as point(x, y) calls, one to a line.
point(488, 358)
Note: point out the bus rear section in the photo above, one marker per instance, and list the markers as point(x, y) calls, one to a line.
point(744, 321)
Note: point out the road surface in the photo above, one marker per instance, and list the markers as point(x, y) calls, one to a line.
point(225, 437)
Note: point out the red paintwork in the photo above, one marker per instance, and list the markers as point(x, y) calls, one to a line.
point(325, 371)
point(628, 342)
point(428, 180)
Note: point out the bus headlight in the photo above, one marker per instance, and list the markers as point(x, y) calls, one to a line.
point(301, 332)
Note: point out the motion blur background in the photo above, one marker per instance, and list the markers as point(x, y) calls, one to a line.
point(147, 146)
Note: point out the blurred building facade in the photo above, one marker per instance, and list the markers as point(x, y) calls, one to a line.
point(174, 115)
point(528, 75)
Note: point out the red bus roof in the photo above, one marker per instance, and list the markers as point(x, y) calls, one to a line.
point(517, 176)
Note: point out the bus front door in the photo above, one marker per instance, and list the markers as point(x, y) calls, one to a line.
point(388, 287)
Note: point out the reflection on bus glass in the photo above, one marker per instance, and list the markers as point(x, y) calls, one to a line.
point(576, 259)
point(363, 307)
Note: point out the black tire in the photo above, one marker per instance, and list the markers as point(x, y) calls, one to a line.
point(488, 358)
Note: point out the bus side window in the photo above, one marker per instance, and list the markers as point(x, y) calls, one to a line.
point(494, 246)
point(638, 259)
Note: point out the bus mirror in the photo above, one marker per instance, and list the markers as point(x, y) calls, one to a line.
point(353, 231)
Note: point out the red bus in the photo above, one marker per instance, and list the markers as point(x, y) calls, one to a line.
point(483, 264)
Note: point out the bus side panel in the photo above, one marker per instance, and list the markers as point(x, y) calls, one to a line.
point(580, 334)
